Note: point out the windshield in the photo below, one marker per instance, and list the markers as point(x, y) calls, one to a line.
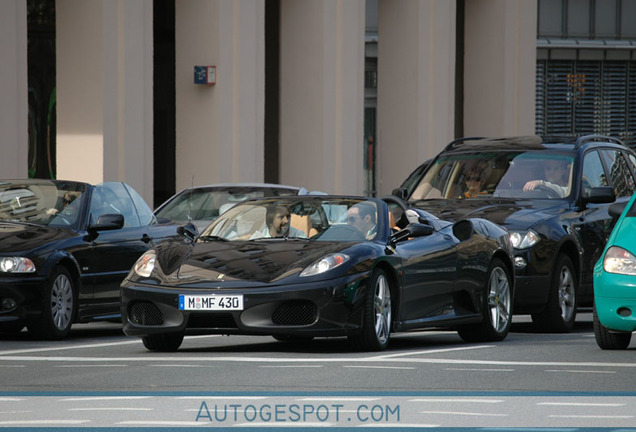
point(42, 202)
point(208, 203)
point(527, 174)
point(312, 218)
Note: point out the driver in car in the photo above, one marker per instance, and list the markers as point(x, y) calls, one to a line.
point(362, 217)
point(556, 178)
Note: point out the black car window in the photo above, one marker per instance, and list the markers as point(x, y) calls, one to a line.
point(593, 172)
point(618, 171)
point(112, 197)
point(144, 212)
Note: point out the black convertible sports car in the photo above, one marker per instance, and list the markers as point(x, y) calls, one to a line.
point(65, 247)
point(305, 266)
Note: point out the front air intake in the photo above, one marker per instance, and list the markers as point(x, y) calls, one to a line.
point(144, 313)
point(295, 313)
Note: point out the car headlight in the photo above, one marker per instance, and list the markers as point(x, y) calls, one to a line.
point(524, 240)
point(16, 265)
point(145, 264)
point(325, 264)
point(618, 260)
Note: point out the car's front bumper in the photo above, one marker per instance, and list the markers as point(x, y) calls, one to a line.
point(615, 301)
point(322, 308)
point(20, 298)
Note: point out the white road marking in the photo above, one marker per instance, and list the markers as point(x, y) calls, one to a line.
point(582, 404)
point(90, 365)
point(162, 423)
point(442, 400)
point(334, 399)
point(579, 371)
point(111, 409)
point(47, 422)
point(380, 367)
point(579, 416)
point(103, 398)
point(432, 351)
point(222, 397)
point(131, 341)
point(176, 359)
point(400, 425)
point(480, 370)
point(459, 413)
point(293, 366)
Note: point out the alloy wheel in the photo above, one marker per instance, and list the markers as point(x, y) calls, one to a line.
point(382, 309)
point(61, 302)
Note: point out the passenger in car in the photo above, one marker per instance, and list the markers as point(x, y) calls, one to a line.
point(473, 183)
point(556, 178)
point(277, 224)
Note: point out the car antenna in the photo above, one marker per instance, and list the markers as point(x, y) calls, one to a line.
point(190, 204)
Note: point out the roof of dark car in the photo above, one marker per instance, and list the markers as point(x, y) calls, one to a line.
point(530, 142)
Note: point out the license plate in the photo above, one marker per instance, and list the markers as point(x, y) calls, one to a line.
point(211, 302)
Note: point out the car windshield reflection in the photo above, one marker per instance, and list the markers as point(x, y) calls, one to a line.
point(517, 175)
point(42, 202)
point(310, 218)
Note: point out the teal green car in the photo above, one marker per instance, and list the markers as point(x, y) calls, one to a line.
point(615, 282)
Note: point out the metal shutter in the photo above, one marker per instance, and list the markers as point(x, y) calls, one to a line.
point(585, 97)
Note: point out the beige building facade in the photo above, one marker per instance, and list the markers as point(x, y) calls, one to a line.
point(104, 75)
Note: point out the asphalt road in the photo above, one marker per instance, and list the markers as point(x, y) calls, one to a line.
point(100, 377)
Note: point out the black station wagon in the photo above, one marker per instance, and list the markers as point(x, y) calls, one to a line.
point(552, 194)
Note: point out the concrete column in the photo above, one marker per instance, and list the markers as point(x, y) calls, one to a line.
point(104, 92)
point(13, 89)
point(416, 85)
point(220, 127)
point(500, 67)
point(80, 90)
point(322, 95)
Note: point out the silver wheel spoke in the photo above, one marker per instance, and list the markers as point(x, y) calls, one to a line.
point(499, 299)
point(382, 309)
point(566, 294)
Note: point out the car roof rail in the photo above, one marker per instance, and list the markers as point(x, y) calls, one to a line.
point(595, 138)
point(458, 141)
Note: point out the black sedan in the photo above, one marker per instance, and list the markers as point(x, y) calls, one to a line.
point(306, 266)
point(65, 247)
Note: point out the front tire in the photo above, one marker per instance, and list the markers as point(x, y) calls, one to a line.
point(559, 314)
point(58, 307)
point(606, 339)
point(376, 320)
point(164, 342)
point(497, 308)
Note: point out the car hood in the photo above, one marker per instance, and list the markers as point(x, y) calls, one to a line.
point(20, 238)
point(513, 214)
point(228, 264)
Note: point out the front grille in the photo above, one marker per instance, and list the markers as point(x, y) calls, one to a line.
point(144, 313)
point(295, 313)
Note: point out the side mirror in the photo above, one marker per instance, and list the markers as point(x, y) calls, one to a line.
point(600, 195)
point(411, 231)
point(401, 193)
point(108, 222)
point(616, 209)
point(463, 230)
point(189, 231)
